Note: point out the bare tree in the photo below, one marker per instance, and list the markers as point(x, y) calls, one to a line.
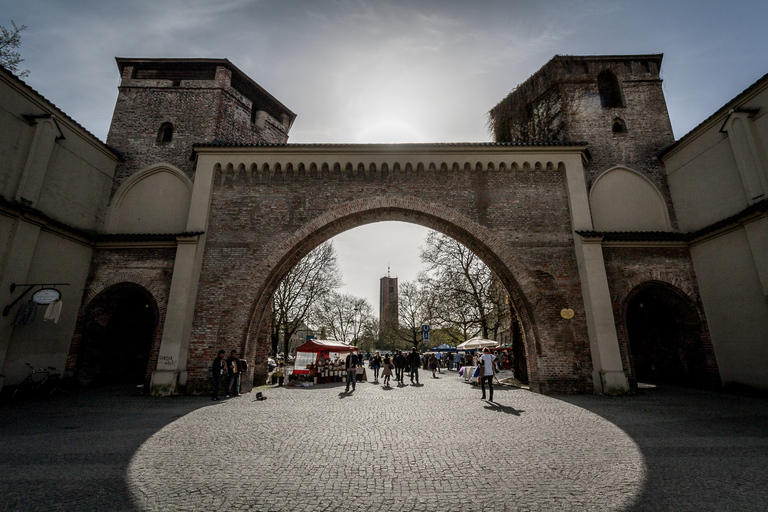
point(467, 296)
point(309, 282)
point(10, 39)
point(344, 317)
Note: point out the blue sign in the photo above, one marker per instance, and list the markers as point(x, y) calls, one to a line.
point(425, 335)
point(425, 328)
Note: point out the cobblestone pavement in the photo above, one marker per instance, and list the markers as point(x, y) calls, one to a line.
point(434, 447)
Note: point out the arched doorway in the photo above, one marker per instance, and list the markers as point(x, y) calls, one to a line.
point(667, 342)
point(117, 333)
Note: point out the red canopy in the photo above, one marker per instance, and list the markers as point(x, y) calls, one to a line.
point(326, 346)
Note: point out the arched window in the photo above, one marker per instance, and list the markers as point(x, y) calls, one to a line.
point(165, 133)
point(610, 90)
point(619, 126)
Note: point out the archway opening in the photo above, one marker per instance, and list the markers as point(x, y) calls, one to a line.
point(118, 332)
point(367, 248)
point(666, 339)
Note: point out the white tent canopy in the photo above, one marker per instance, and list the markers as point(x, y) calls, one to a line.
point(477, 343)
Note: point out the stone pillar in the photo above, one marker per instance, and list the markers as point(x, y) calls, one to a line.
point(608, 372)
point(171, 372)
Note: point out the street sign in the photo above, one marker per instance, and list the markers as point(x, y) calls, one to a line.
point(425, 328)
point(425, 335)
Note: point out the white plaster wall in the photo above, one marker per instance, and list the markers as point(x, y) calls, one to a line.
point(737, 310)
point(151, 201)
point(624, 200)
point(44, 343)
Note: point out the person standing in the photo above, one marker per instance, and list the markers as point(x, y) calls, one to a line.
point(414, 361)
point(487, 372)
point(400, 363)
point(386, 370)
point(375, 364)
point(434, 365)
point(233, 374)
point(218, 367)
point(351, 364)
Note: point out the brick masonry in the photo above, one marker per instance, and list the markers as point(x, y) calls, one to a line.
point(149, 269)
point(262, 222)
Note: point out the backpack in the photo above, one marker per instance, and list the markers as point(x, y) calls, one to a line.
point(242, 365)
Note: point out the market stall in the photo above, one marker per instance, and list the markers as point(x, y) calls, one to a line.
point(322, 361)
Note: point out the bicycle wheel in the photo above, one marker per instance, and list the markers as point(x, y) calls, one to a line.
point(49, 386)
point(21, 391)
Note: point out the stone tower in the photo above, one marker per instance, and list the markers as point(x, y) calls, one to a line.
point(615, 104)
point(164, 106)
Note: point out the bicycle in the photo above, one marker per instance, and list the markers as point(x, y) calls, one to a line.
point(33, 386)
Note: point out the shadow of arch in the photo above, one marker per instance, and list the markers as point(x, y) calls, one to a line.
point(667, 338)
point(512, 274)
point(117, 332)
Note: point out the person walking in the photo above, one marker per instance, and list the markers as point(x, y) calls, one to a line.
point(375, 364)
point(351, 364)
point(386, 370)
point(400, 363)
point(434, 365)
point(487, 372)
point(233, 372)
point(414, 361)
point(218, 367)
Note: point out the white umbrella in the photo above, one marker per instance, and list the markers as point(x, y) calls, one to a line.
point(477, 343)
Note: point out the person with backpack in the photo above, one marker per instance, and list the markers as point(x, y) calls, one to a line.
point(218, 367)
point(400, 363)
point(233, 372)
point(375, 364)
point(386, 371)
point(414, 361)
point(351, 364)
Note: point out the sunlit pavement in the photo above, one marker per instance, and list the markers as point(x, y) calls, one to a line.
point(431, 447)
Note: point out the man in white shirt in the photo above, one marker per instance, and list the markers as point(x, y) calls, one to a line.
point(487, 371)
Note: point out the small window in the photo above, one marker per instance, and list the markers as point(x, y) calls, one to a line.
point(619, 126)
point(176, 83)
point(165, 133)
point(610, 90)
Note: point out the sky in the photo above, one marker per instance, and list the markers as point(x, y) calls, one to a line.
point(388, 71)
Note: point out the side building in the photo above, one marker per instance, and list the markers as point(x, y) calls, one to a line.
point(681, 225)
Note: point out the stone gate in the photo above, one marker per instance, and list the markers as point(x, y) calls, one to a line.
point(260, 208)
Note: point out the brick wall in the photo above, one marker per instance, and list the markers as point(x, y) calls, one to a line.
point(631, 269)
point(150, 269)
point(262, 222)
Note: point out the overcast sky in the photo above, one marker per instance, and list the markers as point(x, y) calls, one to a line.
point(388, 71)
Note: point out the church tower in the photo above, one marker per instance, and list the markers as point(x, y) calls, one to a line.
point(614, 104)
point(164, 106)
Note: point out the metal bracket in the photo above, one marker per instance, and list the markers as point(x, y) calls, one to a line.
point(7, 309)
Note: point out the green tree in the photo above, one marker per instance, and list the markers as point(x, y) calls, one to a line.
point(10, 39)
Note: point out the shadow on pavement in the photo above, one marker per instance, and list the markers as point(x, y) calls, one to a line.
point(703, 450)
point(497, 407)
point(91, 434)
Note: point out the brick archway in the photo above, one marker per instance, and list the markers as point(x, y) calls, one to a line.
point(404, 209)
point(657, 310)
point(263, 208)
point(116, 336)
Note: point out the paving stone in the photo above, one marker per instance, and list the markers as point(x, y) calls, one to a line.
point(435, 447)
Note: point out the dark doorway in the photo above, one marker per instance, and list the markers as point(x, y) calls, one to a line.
point(665, 339)
point(519, 361)
point(119, 328)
